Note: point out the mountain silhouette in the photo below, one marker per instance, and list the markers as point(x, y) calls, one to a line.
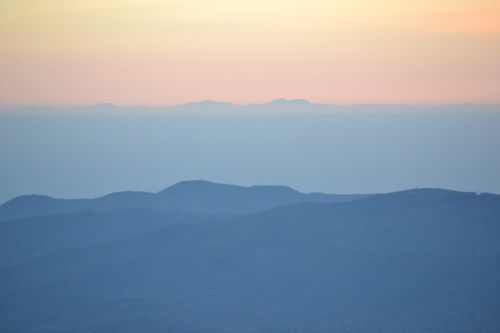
point(30, 237)
point(290, 102)
point(422, 260)
point(207, 104)
point(199, 197)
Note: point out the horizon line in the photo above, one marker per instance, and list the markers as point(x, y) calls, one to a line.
point(217, 183)
point(275, 102)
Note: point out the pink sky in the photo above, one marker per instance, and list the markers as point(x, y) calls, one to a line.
point(168, 52)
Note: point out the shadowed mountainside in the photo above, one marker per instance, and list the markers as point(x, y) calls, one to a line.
point(198, 197)
point(413, 261)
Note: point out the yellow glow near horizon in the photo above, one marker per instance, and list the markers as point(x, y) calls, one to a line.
point(164, 52)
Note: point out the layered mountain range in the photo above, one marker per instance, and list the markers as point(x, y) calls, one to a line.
point(206, 257)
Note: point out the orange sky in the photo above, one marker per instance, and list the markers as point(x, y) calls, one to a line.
point(173, 51)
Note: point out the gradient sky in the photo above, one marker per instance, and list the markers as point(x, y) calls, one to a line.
point(63, 52)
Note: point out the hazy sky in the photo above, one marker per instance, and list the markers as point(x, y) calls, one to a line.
point(173, 51)
point(89, 153)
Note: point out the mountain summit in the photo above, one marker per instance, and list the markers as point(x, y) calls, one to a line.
point(423, 260)
point(290, 102)
point(197, 197)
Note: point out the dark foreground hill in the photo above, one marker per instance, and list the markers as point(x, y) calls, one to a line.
point(198, 197)
point(412, 261)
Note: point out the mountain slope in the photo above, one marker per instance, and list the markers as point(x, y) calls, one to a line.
point(31, 237)
point(413, 261)
point(199, 197)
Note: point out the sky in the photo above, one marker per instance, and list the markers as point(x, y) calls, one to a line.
point(152, 52)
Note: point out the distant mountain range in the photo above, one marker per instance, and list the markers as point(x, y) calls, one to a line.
point(277, 105)
point(197, 197)
point(280, 104)
point(302, 105)
point(206, 257)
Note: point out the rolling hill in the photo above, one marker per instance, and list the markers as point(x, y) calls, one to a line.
point(198, 197)
point(422, 260)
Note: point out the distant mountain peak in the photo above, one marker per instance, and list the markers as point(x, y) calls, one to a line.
point(206, 103)
point(196, 184)
point(290, 102)
point(200, 183)
point(28, 198)
point(276, 102)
